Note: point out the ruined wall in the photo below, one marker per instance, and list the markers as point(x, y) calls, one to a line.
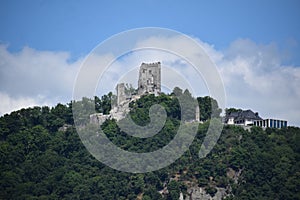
point(197, 117)
point(149, 82)
point(121, 96)
point(98, 118)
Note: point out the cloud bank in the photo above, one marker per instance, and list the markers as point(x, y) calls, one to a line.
point(254, 76)
point(31, 77)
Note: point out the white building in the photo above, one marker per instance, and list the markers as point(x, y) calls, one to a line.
point(271, 123)
point(249, 118)
point(242, 117)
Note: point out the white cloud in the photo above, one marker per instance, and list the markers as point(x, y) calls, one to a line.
point(254, 75)
point(175, 72)
point(31, 77)
point(9, 104)
point(255, 78)
point(32, 73)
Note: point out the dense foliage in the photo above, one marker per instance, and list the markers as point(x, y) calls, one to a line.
point(42, 157)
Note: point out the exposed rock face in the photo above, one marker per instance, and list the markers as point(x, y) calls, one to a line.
point(64, 127)
point(199, 193)
point(98, 118)
point(181, 196)
point(234, 175)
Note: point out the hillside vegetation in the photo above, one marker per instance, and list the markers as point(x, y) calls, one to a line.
point(42, 160)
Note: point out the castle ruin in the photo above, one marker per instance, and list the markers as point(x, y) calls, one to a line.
point(121, 97)
point(149, 78)
point(149, 82)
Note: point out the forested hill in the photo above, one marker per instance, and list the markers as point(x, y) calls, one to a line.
point(42, 157)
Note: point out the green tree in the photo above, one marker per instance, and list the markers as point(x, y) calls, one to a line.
point(208, 108)
point(174, 191)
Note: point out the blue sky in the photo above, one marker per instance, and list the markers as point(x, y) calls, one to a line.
point(78, 26)
point(255, 45)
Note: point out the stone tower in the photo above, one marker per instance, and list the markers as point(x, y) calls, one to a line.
point(149, 78)
point(121, 96)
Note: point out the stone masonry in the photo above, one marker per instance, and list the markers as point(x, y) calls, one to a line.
point(149, 78)
point(149, 82)
point(121, 96)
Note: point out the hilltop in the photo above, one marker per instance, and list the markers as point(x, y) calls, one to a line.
point(42, 157)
